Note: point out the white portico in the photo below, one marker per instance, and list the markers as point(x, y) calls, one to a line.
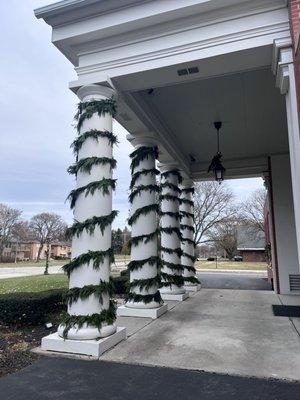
point(177, 67)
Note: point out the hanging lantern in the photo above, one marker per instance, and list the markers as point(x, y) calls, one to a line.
point(216, 163)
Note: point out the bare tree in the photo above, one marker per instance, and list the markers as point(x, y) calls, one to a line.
point(20, 233)
point(9, 217)
point(46, 227)
point(252, 210)
point(213, 204)
point(224, 235)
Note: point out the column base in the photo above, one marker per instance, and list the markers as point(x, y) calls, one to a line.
point(153, 313)
point(94, 348)
point(194, 288)
point(174, 297)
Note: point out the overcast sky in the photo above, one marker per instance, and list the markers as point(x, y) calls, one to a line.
point(37, 110)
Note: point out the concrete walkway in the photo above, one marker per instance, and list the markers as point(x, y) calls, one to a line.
point(226, 279)
point(222, 331)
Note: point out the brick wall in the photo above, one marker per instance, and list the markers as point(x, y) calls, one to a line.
point(294, 10)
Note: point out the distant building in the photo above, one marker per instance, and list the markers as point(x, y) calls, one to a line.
point(251, 244)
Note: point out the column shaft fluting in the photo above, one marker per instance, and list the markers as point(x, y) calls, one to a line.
point(187, 231)
point(91, 313)
point(144, 279)
point(171, 269)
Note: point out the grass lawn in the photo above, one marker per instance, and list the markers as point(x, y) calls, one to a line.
point(37, 283)
point(32, 264)
point(259, 266)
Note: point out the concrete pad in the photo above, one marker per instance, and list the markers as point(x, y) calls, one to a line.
point(194, 288)
point(223, 331)
point(93, 348)
point(174, 297)
point(152, 313)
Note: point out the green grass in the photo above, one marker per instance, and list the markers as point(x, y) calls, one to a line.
point(37, 283)
point(32, 264)
point(258, 266)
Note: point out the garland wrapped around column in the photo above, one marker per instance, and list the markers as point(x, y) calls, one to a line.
point(144, 280)
point(187, 242)
point(91, 312)
point(171, 269)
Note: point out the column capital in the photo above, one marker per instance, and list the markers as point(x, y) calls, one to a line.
point(139, 141)
point(187, 182)
point(89, 92)
point(168, 167)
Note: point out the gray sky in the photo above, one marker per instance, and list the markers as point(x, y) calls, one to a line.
point(37, 110)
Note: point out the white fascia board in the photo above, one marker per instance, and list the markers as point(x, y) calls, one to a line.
point(250, 248)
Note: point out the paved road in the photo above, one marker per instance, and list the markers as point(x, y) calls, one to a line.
point(234, 280)
point(63, 379)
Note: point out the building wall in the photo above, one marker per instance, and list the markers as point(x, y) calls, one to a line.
point(294, 10)
point(285, 231)
point(253, 256)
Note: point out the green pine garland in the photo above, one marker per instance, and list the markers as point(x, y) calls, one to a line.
point(171, 214)
point(145, 298)
point(104, 184)
point(142, 211)
point(190, 241)
point(170, 186)
point(138, 264)
point(187, 227)
point(145, 284)
point(186, 214)
point(186, 201)
point(169, 197)
point(140, 154)
point(86, 164)
point(189, 268)
point(87, 109)
point(193, 258)
point(172, 172)
point(139, 189)
point(171, 280)
point(188, 190)
point(136, 175)
point(94, 134)
point(89, 224)
point(96, 320)
point(97, 257)
point(191, 279)
point(172, 266)
point(84, 292)
point(168, 250)
point(171, 229)
point(135, 240)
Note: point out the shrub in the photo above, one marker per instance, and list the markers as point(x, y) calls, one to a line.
point(30, 308)
point(120, 284)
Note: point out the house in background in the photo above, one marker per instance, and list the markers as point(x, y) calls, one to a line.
point(251, 244)
point(28, 251)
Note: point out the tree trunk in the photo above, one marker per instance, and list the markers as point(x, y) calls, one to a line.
point(46, 272)
point(39, 252)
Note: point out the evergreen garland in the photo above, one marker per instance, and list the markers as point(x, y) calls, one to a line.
point(96, 320)
point(138, 264)
point(171, 229)
point(169, 197)
point(171, 280)
point(168, 250)
point(191, 279)
point(171, 214)
point(139, 189)
point(173, 266)
point(145, 298)
point(104, 184)
point(190, 241)
point(189, 268)
point(145, 284)
point(140, 154)
point(193, 258)
point(186, 201)
point(136, 175)
point(84, 292)
point(86, 109)
point(86, 164)
point(90, 224)
point(188, 190)
point(186, 214)
point(135, 240)
point(93, 134)
point(142, 211)
point(188, 227)
point(172, 172)
point(170, 186)
point(96, 256)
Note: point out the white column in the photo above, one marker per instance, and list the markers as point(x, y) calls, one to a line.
point(91, 313)
point(191, 282)
point(171, 269)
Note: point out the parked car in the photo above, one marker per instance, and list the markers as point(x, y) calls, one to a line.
point(238, 258)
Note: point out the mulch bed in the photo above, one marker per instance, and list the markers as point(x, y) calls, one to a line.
point(16, 343)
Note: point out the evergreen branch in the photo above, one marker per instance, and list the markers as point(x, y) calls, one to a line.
point(142, 211)
point(135, 240)
point(193, 258)
point(172, 172)
point(90, 224)
point(173, 266)
point(96, 320)
point(189, 268)
point(104, 184)
point(141, 154)
point(191, 279)
point(86, 164)
point(170, 186)
point(87, 109)
point(97, 257)
point(186, 214)
point(144, 284)
point(145, 298)
point(169, 197)
point(168, 250)
point(171, 279)
point(139, 189)
point(171, 229)
point(190, 241)
point(188, 190)
point(171, 214)
point(186, 201)
point(136, 175)
point(138, 264)
point(188, 227)
point(84, 292)
point(93, 134)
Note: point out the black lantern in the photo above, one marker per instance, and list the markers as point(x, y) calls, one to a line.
point(216, 163)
